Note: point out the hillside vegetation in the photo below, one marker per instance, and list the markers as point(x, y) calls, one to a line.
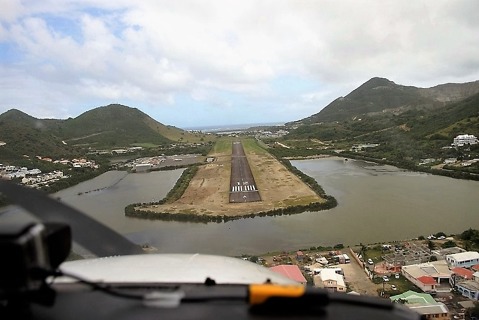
point(407, 123)
point(112, 126)
point(379, 97)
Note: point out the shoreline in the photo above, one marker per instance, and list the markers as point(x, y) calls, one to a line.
point(285, 190)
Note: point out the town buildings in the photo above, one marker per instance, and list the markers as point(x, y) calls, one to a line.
point(424, 304)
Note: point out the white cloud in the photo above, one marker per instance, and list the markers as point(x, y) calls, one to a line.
point(152, 52)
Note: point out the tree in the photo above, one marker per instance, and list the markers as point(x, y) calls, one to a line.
point(448, 244)
point(440, 234)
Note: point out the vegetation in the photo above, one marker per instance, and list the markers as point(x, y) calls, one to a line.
point(131, 211)
point(470, 239)
point(375, 95)
point(449, 244)
point(407, 123)
point(109, 127)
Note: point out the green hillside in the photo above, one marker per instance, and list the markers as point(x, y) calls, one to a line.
point(446, 123)
point(381, 97)
point(374, 97)
point(27, 136)
point(108, 127)
point(404, 134)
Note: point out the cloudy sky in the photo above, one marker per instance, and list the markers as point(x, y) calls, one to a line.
point(191, 63)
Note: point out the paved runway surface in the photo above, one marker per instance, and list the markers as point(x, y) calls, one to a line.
point(242, 185)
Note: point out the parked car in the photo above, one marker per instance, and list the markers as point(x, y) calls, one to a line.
point(385, 278)
point(393, 287)
point(396, 276)
point(370, 261)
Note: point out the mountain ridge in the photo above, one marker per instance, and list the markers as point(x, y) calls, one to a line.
point(380, 95)
point(110, 126)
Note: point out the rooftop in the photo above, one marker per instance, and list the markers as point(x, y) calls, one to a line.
point(429, 309)
point(290, 271)
point(468, 255)
point(427, 280)
point(470, 285)
point(413, 297)
point(433, 269)
point(463, 272)
point(330, 274)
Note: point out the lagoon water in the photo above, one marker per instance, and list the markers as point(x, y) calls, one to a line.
point(376, 203)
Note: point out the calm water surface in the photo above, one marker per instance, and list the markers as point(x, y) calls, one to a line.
point(376, 203)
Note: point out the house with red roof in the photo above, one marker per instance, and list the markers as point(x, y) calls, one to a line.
point(469, 288)
point(460, 274)
point(429, 277)
point(428, 284)
point(290, 271)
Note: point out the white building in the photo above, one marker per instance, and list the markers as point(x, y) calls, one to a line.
point(463, 259)
point(464, 139)
point(469, 288)
point(330, 279)
point(428, 276)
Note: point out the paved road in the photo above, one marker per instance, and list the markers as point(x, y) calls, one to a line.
point(242, 185)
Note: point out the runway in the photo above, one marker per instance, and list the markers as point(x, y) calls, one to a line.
point(242, 185)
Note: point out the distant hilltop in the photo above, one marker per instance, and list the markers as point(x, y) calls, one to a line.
point(114, 126)
point(381, 96)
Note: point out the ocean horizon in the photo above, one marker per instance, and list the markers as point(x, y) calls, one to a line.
point(232, 127)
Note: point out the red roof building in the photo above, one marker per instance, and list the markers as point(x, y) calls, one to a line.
point(427, 280)
point(463, 273)
point(475, 267)
point(290, 271)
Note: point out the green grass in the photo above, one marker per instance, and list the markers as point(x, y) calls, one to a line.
point(222, 145)
point(373, 254)
point(251, 146)
point(402, 285)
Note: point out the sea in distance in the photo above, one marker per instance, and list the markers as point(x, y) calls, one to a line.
point(232, 127)
point(376, 203)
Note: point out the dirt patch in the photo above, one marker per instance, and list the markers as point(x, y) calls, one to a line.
point(357, 279)
point(208, 191)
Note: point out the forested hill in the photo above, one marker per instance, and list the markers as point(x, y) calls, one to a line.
point(112, 126)
point(380, 96)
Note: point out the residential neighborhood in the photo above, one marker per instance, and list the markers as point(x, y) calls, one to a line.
point(438, 284)
point(35, 178)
